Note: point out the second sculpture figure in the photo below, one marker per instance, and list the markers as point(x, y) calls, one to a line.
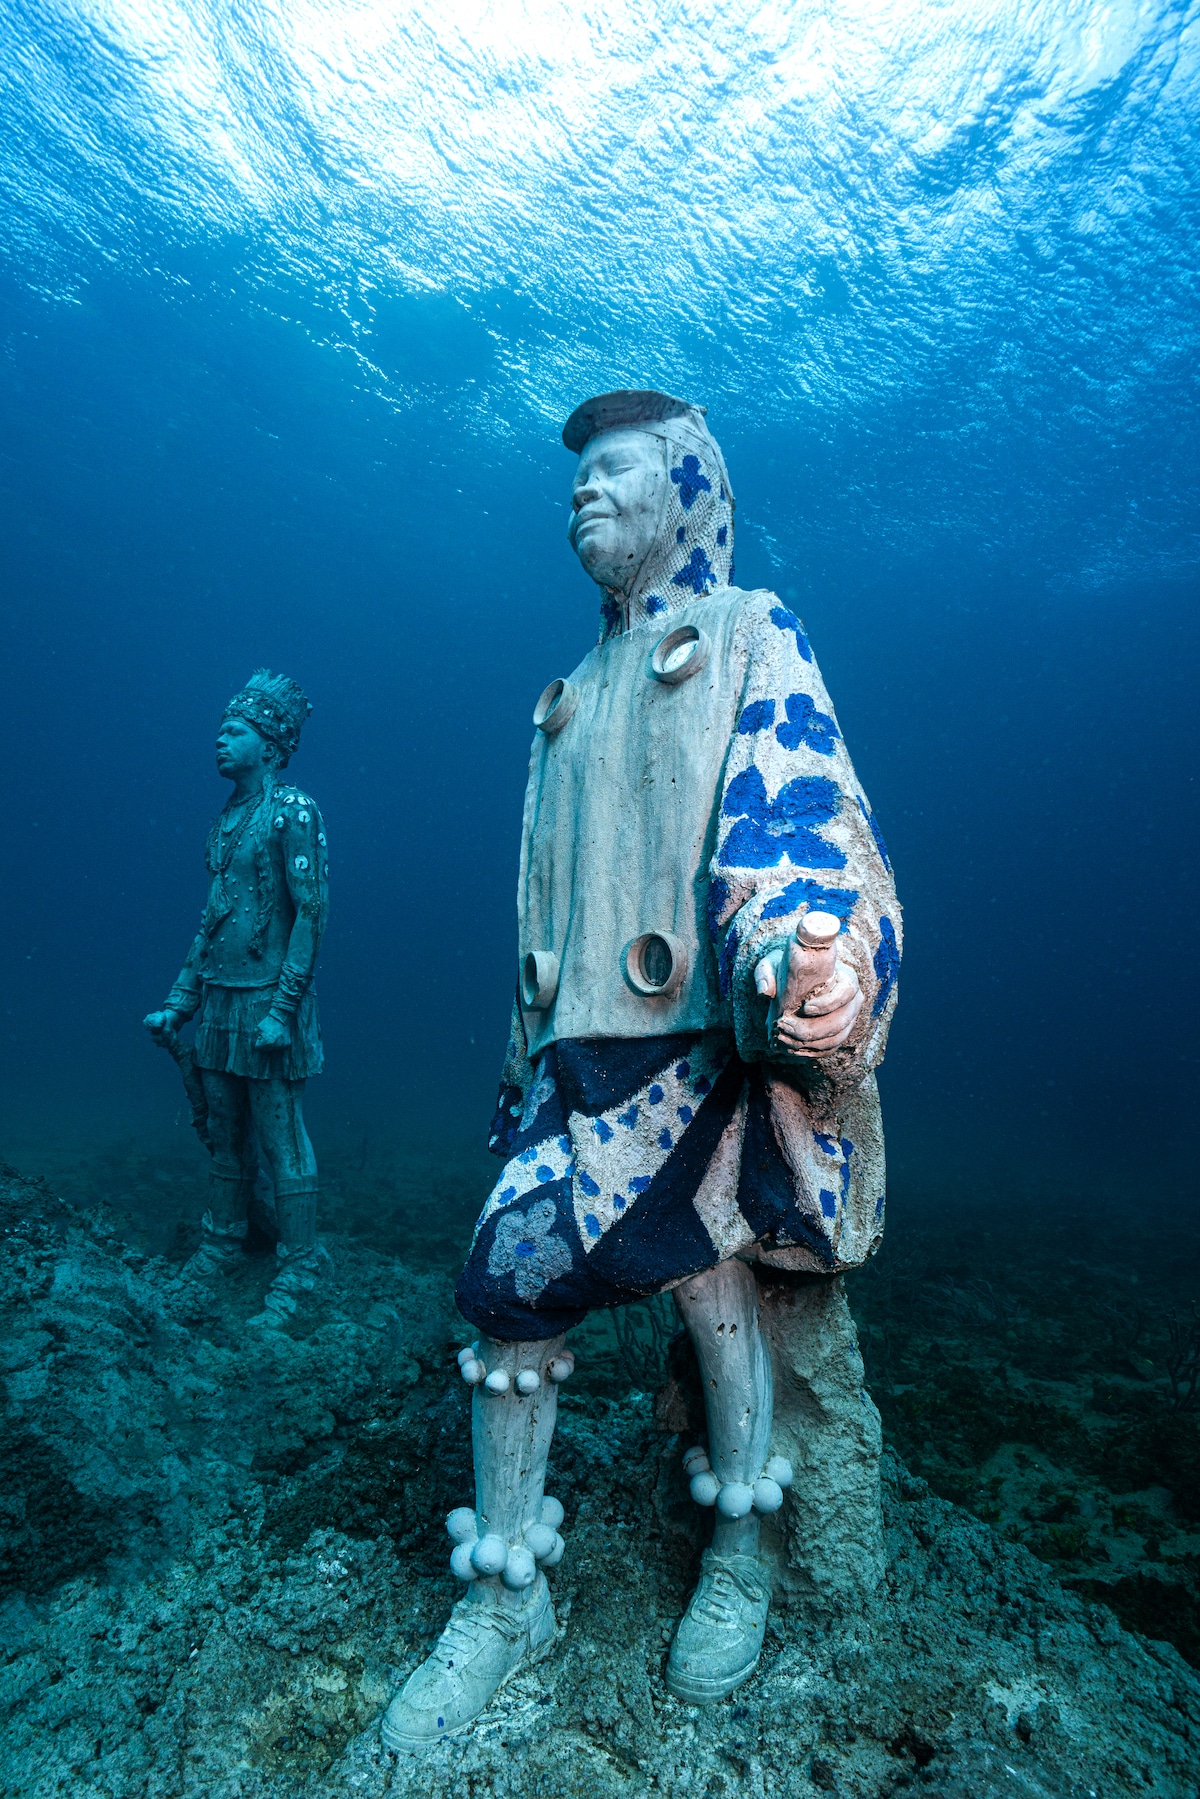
point(248, 981)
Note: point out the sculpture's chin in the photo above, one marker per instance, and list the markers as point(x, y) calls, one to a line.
point(610, 554)
point(598, 564)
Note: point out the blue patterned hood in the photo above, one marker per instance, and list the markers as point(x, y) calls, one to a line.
point(692, 554)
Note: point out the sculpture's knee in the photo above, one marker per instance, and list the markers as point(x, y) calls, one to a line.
point(279, 1121)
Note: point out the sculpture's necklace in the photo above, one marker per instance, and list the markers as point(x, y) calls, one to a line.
point(229, 833)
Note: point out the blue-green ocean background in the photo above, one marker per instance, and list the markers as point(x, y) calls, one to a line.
point(293, 306)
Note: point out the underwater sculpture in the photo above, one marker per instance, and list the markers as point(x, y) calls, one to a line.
point(709, 943)
point(248, 976)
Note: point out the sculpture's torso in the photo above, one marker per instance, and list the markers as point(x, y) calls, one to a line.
point(251, 911)
point(623, 812)
point(619, 829)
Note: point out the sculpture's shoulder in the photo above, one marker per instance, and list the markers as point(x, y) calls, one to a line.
point(766, 624)
point(756, 605)
point(293, 801)
point(294, 813)
point(749, 601)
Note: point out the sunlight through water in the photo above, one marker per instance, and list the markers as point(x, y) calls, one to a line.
point(970, 224)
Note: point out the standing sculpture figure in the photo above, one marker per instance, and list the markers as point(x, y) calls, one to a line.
point(709, 945)
point(249, 977)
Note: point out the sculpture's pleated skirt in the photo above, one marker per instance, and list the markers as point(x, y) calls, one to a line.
point(227, 1025)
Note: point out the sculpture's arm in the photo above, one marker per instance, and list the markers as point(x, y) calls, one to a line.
point(796, 836)
point(184, 998)
point(306, 871)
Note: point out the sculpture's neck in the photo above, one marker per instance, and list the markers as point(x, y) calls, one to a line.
point(649, 600)
point(249, 785)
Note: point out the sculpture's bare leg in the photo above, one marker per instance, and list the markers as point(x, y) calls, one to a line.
point(230, 1176)
point(720, 1310)
point(278, 1114)
point(720, 1639)
point(500, 1548)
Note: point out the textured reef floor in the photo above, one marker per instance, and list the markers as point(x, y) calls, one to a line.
point(221, 1551)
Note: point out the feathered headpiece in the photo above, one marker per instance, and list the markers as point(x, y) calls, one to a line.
point(275, 706)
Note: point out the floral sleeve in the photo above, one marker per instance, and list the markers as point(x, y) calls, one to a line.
point(795, 834)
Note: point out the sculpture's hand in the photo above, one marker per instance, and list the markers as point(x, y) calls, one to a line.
point(162, 1024)
point(824, 1021)
point(815, 997)
point(273, 1034)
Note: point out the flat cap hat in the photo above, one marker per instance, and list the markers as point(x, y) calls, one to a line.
point(628, 406)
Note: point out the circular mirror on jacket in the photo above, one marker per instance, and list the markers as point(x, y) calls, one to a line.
point(680, 655)
point(539, 980)
point(655, 964)
point(555, 706)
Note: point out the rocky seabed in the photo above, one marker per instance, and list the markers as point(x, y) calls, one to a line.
point(222, 1551)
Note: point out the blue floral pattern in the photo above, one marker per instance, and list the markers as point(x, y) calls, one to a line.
point(527, 1246)
point(768, 831)
point(787, 621)
point(886, 963)
point(696, 573)
point(876, 833)
point(759, 715)
point(839, 901)
point(691, 481)
point(808, 726)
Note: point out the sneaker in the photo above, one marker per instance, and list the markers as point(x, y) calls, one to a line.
point(218, 1255)
point(297, 1275)
point(485, 1641)
point(720, 1637)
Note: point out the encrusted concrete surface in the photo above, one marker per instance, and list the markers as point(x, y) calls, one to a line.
point(223, 1550)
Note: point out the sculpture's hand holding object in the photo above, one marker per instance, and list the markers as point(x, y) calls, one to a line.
point(815, 998)
point(163, 1024)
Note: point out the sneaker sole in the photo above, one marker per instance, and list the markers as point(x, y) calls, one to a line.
point(705, 1692)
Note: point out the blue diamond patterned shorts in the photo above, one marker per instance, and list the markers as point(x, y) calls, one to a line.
point(631, 1164)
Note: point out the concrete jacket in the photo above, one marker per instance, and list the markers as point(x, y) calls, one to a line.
point(712, 812)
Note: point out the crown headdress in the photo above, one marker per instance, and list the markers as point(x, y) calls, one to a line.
point(274, 705)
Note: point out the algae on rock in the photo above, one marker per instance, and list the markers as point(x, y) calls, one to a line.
point(258, 1559)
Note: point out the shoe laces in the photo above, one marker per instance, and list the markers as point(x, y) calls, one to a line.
point(721, 1585)
point(468, 1627)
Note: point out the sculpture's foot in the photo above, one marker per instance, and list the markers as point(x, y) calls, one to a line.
point(296, 1277)
point(487, 1639)
point(219, 1254)
point(720, 1637)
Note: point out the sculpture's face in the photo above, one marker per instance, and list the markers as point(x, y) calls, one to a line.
point(616, 505)
point(241, 750)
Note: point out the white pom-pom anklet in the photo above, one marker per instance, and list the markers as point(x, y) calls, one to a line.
point(737, 1498)
point(516, 1563)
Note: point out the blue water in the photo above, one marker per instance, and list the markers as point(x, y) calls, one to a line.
point(295, 301)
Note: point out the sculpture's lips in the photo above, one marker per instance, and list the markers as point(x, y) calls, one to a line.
point(585, 517)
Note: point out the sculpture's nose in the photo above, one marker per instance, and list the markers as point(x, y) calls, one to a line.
point(581, 495)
